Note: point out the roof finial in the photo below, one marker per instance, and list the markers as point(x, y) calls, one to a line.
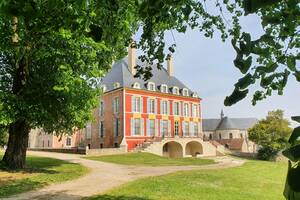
point(222, 114)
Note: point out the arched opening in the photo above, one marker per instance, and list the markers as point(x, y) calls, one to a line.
point(173, 150)
point(193, 148)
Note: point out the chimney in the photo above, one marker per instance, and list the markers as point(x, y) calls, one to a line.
point(132, 57)
point(170, 65)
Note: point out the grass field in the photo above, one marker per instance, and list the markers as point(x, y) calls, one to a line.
point(256, 180)
point(40, 172)
point(148, 159)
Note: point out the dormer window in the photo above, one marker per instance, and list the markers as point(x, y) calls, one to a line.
point(136, 85)
point(164, 88)
point(185, 92)
point(151, 86)
point(103, 87)
point(116, 85)
point(195, 95)
point(176, 90)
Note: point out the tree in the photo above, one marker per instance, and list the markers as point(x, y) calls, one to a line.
point(53, 51)
point(271, 134)
point(3, 136)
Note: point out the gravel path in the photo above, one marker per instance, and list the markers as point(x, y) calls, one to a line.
point(104, 176)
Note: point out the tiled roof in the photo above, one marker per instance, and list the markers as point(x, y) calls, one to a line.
point(232, 144)
point(228, 123)
point(120, 73)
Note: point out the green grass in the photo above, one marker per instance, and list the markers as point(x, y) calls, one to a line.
point(148, 159)
point(40, 172)
point(256, 180)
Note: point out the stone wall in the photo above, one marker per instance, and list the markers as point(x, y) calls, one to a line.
point(106, 151)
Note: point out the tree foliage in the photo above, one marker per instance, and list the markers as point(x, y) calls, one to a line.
point(271, 134)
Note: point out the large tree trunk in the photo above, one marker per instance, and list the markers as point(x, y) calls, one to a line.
point(15, 154)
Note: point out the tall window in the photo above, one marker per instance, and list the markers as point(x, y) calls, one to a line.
point(88, 131)
point(220, 136)
point(68, 142)
point(186, 109)
point(137, 126)
point(151, 127)
point(116, 105)
point(164, 107)
point(196, 129)
point(176, 128)
point(101, 129)
point(151, 106)
point(175, 90)
point(116, 127)
point(164, 88)
point(136, 85)
point(116, 85)
point(230, 136)
point(185, 128)
point(101, 108)
point(210, 136)
point(176, 108)
point(164, 127)
point(136, 104)
point(151, 86)
point(195, 110)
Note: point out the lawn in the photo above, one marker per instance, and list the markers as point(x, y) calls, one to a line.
point(256, 180)
point(39, 172)
point(148, 159)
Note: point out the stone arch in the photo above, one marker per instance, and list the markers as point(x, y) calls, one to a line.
point(193, 148)
point(173, 150)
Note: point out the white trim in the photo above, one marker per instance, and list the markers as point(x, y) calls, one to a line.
point(137, 85)
point(148, 86)
point(161, 88)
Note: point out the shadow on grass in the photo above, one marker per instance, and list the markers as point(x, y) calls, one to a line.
point(109, 197)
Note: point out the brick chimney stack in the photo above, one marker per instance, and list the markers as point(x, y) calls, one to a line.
point(132, 57)
point(170, 65)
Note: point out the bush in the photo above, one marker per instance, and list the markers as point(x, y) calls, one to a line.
point(266, 153)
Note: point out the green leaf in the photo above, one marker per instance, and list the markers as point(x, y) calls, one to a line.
point(243, 65)
point(235, 97)
point(244, 82)
point(291, 63)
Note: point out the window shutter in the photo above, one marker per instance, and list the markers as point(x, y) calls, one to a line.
point(161, 127)
point(180, 107)
point(142, 127)
point(119, 128)
point(132, 104)
point(147, 127)
point(114, 129)
point(156, 127)
point(169, 127)
point(168, 109)
point(141, 103)
point(132, 126)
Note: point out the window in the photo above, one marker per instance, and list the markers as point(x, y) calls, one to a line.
point(151, 86)
point(164, 127)
point(186, 109)
point(48, 143)
point(220, 136)
point(241, 135)
point(88, 131)
point(195, 110)
point(136, 126)
point(185, 92)
point(136, 85)
point(176, 108)
point(136, 107)
point(116, 127)
point(185, 128)
point(103, 87)
point(101, 146)
point(151, 127)
point(230, 136)
point(116, 85)
point(164, 107)
point(176, 128)
point(116, 105)
point(210, 136)
point(196, 129)
point(101, 129)
point(101, 108)
point(68, 143)
point(164, 88)
point(195, 95)
point(176, 90)
point(151, 106)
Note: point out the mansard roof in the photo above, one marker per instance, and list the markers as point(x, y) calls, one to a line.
point(120, 73)
point(227, 123)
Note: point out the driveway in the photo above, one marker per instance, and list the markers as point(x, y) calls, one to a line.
point(104, 176)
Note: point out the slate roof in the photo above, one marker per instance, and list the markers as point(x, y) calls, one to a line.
point(227, 123)
point(120, 73)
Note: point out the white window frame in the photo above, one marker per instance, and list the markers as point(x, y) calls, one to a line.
point(195, 95)
point(151, 106)
point(88, 131)
point(101, 108)
point(101, 129)
point(137, 108)
point(136, 85)
point(175, 90)
point(178, 110)
point(195, 110)
point(134, 131)
point(104, 88)
point(116, 105)
point(186, 110)
point(149, 86)
point(164, 107)
point(116, 85)
point(69, 139)
point(185, 92)
point(162, 88)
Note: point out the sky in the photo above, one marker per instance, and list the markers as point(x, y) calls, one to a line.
point(206, 66)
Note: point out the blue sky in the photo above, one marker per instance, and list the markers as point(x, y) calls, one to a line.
point(206, 66)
